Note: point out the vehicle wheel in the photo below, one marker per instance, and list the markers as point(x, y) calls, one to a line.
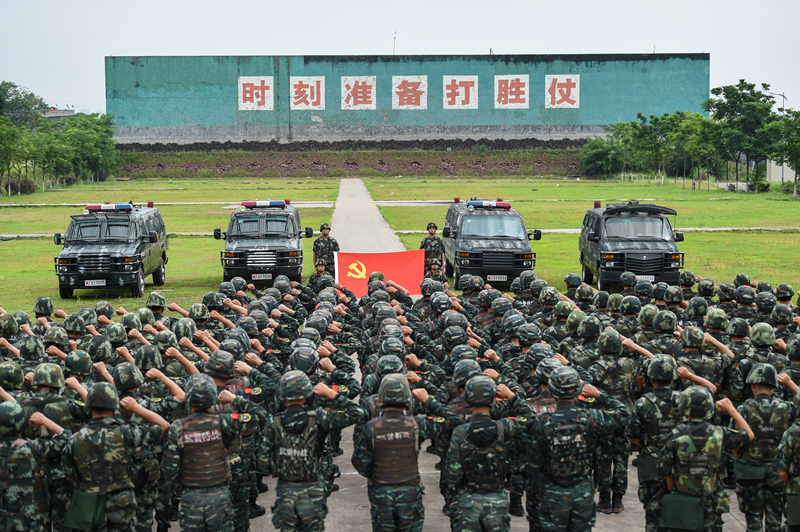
point(600, 284)
point(225, 277)
point(456, 277)
point(137, 290)
point(587, 275)
point(65, 291)
point(160, 275)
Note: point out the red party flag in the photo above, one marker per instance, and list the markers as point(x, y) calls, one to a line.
point(406, 268)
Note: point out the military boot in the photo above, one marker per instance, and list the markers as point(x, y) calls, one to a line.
point(162, 527)
point(256, 510)
point(262, 488)
point(174, 512)
point(617, 506)
point(604, 504)
point(515, 506)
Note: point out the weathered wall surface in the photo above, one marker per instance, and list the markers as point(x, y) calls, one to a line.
point(330, 98)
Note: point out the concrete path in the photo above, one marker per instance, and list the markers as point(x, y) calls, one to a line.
point(358, 225)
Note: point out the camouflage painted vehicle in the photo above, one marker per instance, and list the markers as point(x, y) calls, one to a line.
point(263, 241)
point(629, 237)
point(488, 239)
point(112, 246)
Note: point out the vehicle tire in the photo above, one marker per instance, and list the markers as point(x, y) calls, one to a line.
point(297, 278)
point(225, 277)
point(65, 291)
point(600, 284)
point(456, 277)
point(160, 275)
point(587, 274)
point(137, 290)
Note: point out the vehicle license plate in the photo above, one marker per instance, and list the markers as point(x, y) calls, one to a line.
point(497, 277)
point(98, 282)
point(262, 276)
point(650, 278)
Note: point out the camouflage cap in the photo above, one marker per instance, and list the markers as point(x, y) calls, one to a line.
point(763, 374)
point(501, 305)
point(131, 321)
point(73, 324)
point(589, 327)
point(549, 296)
point(147, 357)
point(48, 374)
point(201, 392)
point(764, 286)
point(88, 315)
point(793, 347)
point(673, 295)
point(741, 279)
point(697, 402)
point(480, 391)
point(705, 287)
point(12, 418)
point(165, 340)
point(78, 363)
point(104, 308)
point(627, 279)
point(394, 390)
point(43, 306)
point(726, 292)
point(610, 342)
point(573, 280)
point(220, 364)
point(127, 377)
point(463, 352)
point(453, 336)
point(784, 292)
point(662, 368)
point(698, 306)
point(692, 337)
point(687, 278)
point(392, 346)
point(99, 349)
point(782, 314)
point(528, 333)
point(762, 335)
point(388, 364)
point(716, 318)
point(563, 309)
point(600, 299)
point(156, 299)
point(545, 368)
point(8, 326)
point(765, 302)
point(584, 293)
point(453, 318)
point(738, 328)
point(644, 287)
point(304, 359)
point(198, 311)
point(11, 377)
point(660, 291)
point(574, 320)
point(22, 318)
point(665, 322)
point(56, 336)
point(630, 306)
point(116, 333)
point(464, 370)
point(436, 262)
point(648, 315)
point(185, 328)
point(564, 383)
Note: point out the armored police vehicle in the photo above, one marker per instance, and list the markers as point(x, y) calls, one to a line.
point(112, 245)
point(263, 240)
point(487, 238)
point(635, 237)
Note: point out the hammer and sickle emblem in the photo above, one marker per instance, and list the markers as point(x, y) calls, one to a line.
point(356, 272)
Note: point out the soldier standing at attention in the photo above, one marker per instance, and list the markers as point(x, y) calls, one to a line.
point(435, 272)
point(433, 246)
point(324, 248)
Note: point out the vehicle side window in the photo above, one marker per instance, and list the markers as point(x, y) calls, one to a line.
point(596, 225)
point(142, 230)
point(159, 223)
point(150, 225)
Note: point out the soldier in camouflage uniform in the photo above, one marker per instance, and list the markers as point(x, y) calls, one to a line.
point(758, 486)
point(433, 246)
point(386, 450)
point(320, 269)
point(628, 282)
point(762, 338)
point(324, 248)
point(291, 449)
point(787, 464)
point(435, 271)
point(687, 280)
point(696, 499)
point(561, 448)
point(644, 291)
point(588, 352)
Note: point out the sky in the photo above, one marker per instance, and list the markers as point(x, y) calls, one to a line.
point(56, 49)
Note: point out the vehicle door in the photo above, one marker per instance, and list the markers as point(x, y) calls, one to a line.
point(145, 246)
point(450, 243)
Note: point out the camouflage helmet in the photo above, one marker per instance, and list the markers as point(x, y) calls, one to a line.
point(300, 342)
point(762, 335)
point(782, 314)
point(589, 327)
point(238, 335)
point(516, 286)
point(726, 292)
point(537, 286)
point(116, 333)
point(271, 291)
point(793, 347)
point(764, 374)
point(528, 333)
point(464, 282)
point(741, 279)
point(249, 326)
point(48, 374)
point(185, 328)
point(227, 289)
point(660, 291)
point(662, 368)
point(644, 287)
point(630, 306)
point(99, 349)
point(295, 386)
point(104, 308)
point(317, 322)
point(673, 295)
point(283, 286)
point(511, 322)
point(394, 390)
point(549, 296)
point(573, 280)
point(238, 283)
point(390, 330)
point(12, 418)
point(375, 285)
point(304, 359)
point(392, 346)
point(697, 402)
point(563, 309)
point(56, 336)
point(614, 302)
point(564, 383)
point(584, 293)
point(262, 320)
point(489, 296)
point(213, 300)
point(765, 302)
point(574, 320)
point(73, 324)
point(320, 262)
point(451, 318)
point(31, 348)
point(764, 286)
point(201, 392)
point(233, 347)
point(665, 322)
point(705, 287)
point(698, 306)
point(477, 283)
point(687, 278)
point(11, 376)
point(88, 315)
point(78, 363)
point(147, 357)
point(376, 276)
point(463, 352)
point(545, 368)
point(388, 364)
point(381, 295)
point(131, 321)
point(439, 302)
point(156, 299)
point(220, 364)
point(648, 315)
point(127, 377)
point(464, 370)
point(43, 306)
point(610, 342)
point(480, 391)
point(737, 328)
point(536, 354)
point(784, 292)
point(715, 319)
point(692, 337)
point(22, 318)
point(198, 311)
point(8, 326)
point(501, 305)
point(311, 334)
point(600, 299)
point(526, 277)
point(627, 279)
point(165, 340)
point(453, 336)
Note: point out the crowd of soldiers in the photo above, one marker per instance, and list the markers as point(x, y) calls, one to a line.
point(118, 420)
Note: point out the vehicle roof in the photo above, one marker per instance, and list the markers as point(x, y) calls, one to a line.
point(632, 208)
point(137, 212)
point(485, 211)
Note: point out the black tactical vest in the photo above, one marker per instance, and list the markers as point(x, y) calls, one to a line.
point(658, 428)
point(568, 451)
point(295, 454)
point(484, 467)
point(205, 458)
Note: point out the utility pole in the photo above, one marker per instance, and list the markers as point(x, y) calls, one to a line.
point(783, 108)
point(394, 44)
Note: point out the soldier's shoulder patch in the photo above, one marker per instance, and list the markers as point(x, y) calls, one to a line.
point(590, 399)
point(438, 419)
point(79, 402)
point(343, 389)
point(156, 399)
point(257, 391)
point(246, 417)
point(522, 419)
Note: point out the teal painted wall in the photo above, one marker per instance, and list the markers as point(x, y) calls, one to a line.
point(157, 98)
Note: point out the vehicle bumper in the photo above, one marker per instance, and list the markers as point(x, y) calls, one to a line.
point(112, 280)
point(670, 277)
point(247, 273)
point(485, 273)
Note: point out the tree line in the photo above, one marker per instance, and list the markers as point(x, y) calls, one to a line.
point(733, 143)
point(36, 151)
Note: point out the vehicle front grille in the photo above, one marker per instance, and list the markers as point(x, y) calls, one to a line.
point(94, 263)
point(262, 259)
point(645, 266)
point(498, 261)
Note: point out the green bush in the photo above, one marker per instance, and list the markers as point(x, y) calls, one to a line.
point(601, 157)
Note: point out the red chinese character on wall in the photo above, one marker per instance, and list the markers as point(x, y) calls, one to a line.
point(561, 92)
point(359, 94)
point(307, 94)
point(511, 91)
point(408, 93)
point(255, 93)
point(459, 88)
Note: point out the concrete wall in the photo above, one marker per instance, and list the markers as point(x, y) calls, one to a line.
point(774, 173)
point(263, 98)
